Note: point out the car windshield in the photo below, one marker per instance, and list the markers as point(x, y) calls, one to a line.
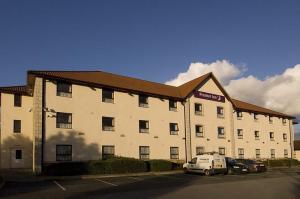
point(194, 160)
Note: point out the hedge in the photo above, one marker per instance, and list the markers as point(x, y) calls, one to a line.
point(115, 165)
point(281, 162)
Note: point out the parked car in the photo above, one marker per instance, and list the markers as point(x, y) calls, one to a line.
point(253, 165)
point(208, 164)
point(234, 167)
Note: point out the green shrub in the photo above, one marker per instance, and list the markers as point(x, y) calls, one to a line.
point(159, 165)
point(281, 162)
point(65, 168)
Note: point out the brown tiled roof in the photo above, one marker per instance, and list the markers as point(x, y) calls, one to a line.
point(244, 106)
point(296, 144)
point(23, 90)
point(99, 78)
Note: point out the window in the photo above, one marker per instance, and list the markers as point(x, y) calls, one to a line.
point(272, 136)
point(221, 132)
point(63, 152)
point(107, 95)
point(64, 89)
point(143, 101)
point(220, 111)
point(270, 120)
point(241, 153)
point(222, 150)
point(174, 152)
point(283, 121)
point(256, 135)
point(199, 131)
point(199, 150)
point(18, 154)
point(272, 153)
point(255, 116)
point(257, 153)
point(17, 126)
point(108, 124)
point(240, 133)
point(108, 152)
point(144, 126)
point(198, 109)
point(174, 129)
point(64, 120)
point(144, 152)
point(172, 105)
point(239, 115)
point(17, 100)
point(285, 137)
point(286, 153)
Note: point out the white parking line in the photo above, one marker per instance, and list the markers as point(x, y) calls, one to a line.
point(134, 178)
point(60, 186)
point(106, 182)
point(170, 177)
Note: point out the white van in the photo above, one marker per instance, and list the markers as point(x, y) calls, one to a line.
point(209, 164)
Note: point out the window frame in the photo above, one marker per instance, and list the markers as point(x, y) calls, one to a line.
point(199, 112)
point(142, 155)
point(199, 134)
point(18, 154)
point(141, 103)
point(255, 117)
point(257, 155)
point(174, 132)
point(272, 136)
point(172, 108)
point(241, 153)
point(199, 148)
point(174, 156)
point(284, 136)
point(64, 157)
point(222, 114)
point(239, 115)
point(61, 92)
point(107, 99)
point(108, 127)
point(271, 120)
point(17, 100)
point(224, 134)
point(64, 125)
point(256, 137)
point(17, 126)
point(242, 135)
point(273, 155)
point(222, 148)
point(106, 156)
point(286, 153)
point(147, 126)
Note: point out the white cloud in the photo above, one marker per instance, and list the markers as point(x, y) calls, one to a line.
point(279, 92)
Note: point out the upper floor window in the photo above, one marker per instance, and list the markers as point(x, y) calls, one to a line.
point(222, 150)
point(17, 100)
point(240, 133)
point(172, 105)
point(108, 152)
point(272, 153)
point(17, 126)
point(199, 131)
point(63, 152)
point(143, 101)
point(256, 135)
point(174, 129)
point(283, 121)
point(239, 115)
point(257, 153)
point(64, 89)
point(198, 109)
point(272, 136)
point(144, 126)
point(241, 153)
point(270, 120)
point(255, 116)
point(220, 111)
point(108, 123)
point(199, 150)
point(144, 152)
point(221, 132)
point(64, 120)
point(107, 95)
point(285, 137)
point(174, 153)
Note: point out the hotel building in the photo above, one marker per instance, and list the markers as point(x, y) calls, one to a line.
point(90, 115)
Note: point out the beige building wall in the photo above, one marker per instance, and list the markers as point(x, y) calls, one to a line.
point(87, 136)
point(11, 141)
point(211, 122)
point(262, 124)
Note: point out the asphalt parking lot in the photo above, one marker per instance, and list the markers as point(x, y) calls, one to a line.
point(273, 184)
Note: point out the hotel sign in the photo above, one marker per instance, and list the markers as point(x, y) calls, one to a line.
point(209, 96)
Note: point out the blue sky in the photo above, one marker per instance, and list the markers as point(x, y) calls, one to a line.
point(148, 39)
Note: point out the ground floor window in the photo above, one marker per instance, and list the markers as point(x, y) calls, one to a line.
point(257, 153)
point(222, 150)
point(63, 152)
point(18, 154)
point(199, 150)
point(108, 152)
point(286, 153)
point(241, 153)
point(144, 152)
point(174, 152)
point(272, 153)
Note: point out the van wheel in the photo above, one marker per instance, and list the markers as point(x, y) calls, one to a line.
point(207, 172)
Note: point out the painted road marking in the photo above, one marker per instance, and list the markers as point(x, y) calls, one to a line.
point(106, 182)
point(60, 186)
point(134, 178)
